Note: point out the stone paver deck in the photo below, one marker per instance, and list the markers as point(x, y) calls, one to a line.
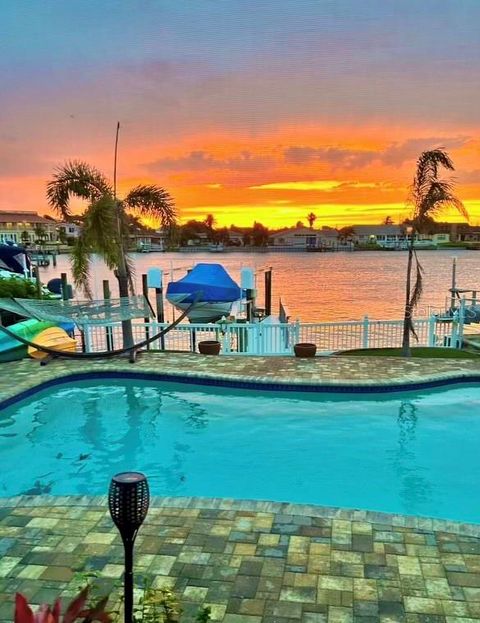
point(22, 375)
point(250, 561)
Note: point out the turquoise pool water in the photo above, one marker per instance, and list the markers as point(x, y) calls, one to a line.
point(415, 453)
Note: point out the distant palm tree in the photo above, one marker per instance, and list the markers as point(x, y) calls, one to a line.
point(429, 195)
point(105, 222)
point(25, 237)
point(311, 218)
point(40, 234)
point(209, 221)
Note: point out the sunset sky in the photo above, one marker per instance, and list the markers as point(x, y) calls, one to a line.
point(248, 109)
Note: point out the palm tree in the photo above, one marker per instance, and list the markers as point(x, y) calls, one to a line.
point(40, 234)
point(25, 237)
point(209, 223)
point(105, 222)
point(311, 218)
point(429, 195)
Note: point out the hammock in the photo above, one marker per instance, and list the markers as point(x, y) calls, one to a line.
point(101, 355)
point(82, 313)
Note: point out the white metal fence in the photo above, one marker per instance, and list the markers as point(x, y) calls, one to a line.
point(279, 338)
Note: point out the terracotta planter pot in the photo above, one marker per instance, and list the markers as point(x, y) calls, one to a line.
point(209, 347)
point(305, 349)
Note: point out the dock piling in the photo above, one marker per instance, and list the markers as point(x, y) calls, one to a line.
point(38, 283)
point(146, 319)
point(268, 292)
point(63, 277)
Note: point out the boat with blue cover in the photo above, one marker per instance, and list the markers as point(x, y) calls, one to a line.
point(211, 287)
point(14, 260)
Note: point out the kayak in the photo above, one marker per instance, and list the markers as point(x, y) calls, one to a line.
point(55, 338)
point(10, 348)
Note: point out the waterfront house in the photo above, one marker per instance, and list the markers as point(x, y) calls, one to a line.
point(386, 236)
point(236, 238)
point(26, 228)
point(433, 238)
point(69, 230)
point(302, 238)
point(470, 236)
point(148, 240)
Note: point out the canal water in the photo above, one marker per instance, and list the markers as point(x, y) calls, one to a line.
point(317, 287)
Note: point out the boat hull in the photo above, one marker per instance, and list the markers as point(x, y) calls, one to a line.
point(209, 287)
point(202, 311)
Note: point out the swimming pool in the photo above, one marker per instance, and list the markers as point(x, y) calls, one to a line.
point(413, 453)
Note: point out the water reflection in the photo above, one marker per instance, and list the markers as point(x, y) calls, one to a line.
point(196, 416)
point(378, 279)
point(415, 490)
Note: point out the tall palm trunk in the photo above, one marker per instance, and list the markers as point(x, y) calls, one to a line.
point(407, 317)
point(123, 281)
point(127, 331)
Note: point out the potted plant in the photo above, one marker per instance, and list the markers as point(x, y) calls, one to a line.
point(209, 347)
point(305, 349)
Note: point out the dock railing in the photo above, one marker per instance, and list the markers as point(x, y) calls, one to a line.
point(265, 338)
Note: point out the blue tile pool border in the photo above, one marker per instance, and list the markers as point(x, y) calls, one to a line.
point(319, 388)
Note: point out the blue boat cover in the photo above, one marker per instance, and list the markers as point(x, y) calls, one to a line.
point(211, 281)
point(12, 257)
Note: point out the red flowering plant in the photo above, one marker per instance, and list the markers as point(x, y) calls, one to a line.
point(77, 609)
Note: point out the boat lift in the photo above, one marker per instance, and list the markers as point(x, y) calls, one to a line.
point(464, 302)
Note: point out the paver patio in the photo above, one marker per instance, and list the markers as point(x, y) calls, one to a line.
point(251, 561)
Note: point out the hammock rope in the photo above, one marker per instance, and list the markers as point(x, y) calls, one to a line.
point(103, 354)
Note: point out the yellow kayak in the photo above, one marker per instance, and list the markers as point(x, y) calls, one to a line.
point(55, 338)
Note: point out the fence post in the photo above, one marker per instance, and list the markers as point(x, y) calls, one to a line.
point(226, 339)
point(296, 334)
point(108, 329)
point(366, 324)
point(461, 321)
point(86, 340)
point(432, 324)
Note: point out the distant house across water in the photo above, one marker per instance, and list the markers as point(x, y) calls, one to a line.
point(386, 236)
point(70, 230)
point(26, 228)
point(304, 238)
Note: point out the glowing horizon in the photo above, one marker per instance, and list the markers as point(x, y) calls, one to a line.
point(260, 112)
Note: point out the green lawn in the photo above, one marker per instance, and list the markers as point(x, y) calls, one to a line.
point(424, 352)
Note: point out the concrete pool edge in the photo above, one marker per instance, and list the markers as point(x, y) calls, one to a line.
point(379, 518)
point(433, 380)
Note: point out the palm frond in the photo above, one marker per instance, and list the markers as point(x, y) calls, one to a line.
point(153, 201)
point(429, 194)
point(101, 228)
point(428, 165)
point(80, 262)
point(130, 272)
point(75, 179)
point(438, 198)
